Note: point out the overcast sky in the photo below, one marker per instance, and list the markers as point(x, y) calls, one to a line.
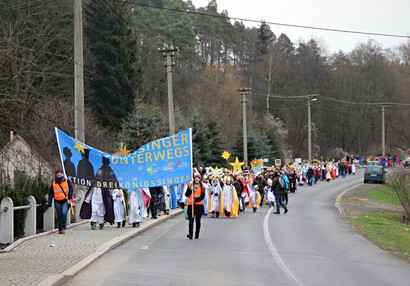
point(376, 16)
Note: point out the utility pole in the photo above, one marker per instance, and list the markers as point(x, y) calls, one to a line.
point(169, 53)
point(383, 133)
point(79, 129)
point(310, 97)
point(244, 92)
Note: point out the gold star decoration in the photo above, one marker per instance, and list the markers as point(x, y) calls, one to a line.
point(237, 166)
point(79, 147)
point(123, 151)
point(226, 155)
point(170, 164)
point(216, 172)
point(256, 163)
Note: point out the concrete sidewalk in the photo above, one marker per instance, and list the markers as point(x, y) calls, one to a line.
point(51, 258)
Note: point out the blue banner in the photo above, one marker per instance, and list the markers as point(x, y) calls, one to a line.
point(162, 162)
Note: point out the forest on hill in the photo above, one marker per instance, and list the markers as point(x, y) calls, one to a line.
point(126, 82)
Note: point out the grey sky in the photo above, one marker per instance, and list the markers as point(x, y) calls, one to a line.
point(376, 16)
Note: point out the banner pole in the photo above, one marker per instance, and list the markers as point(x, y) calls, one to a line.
point(59, 151)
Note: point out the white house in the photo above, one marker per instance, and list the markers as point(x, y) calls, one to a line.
point(18, 158)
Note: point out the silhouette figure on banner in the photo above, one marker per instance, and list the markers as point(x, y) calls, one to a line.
point(105, 173)
point(85, 169)
point(68, 165)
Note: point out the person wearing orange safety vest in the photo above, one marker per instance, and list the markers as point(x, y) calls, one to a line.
point(195, 194)
point(60, 191)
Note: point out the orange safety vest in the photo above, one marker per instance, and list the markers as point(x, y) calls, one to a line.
point(197, 194)
point(59, 195)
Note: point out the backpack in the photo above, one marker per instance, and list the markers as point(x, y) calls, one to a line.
point(282, 183)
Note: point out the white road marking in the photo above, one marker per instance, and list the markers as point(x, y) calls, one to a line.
point(339, 197)
point(275, 253)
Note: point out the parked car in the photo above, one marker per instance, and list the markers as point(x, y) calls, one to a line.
point(375, 174)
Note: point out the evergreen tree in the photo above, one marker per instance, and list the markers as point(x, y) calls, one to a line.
point(143, 125)
point(200, 140)
point(110, 61)
point(216, 150)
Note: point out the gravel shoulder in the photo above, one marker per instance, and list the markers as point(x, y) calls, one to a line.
point(355, 200)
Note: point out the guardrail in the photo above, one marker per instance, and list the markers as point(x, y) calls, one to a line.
point(7, 209)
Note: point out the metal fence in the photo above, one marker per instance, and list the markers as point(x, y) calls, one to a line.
point(7, 209)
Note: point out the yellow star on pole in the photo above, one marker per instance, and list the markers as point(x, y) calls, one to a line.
point(123, 151)
point(237, 166)
point(79, 147)
point(254, 163)
point(226, 155)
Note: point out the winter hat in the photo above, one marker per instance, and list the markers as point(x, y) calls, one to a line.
point(197, 175)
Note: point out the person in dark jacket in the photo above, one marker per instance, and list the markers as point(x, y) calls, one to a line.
point(239, 188)
point(155, 196)
point(195, 194)
point(61, 191)
point(309, 175)
point(292, 181)
point(261, 184)
point(280, 193)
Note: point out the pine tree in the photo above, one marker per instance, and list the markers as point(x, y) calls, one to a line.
point(111, 72)
point(144, 124)
point(200, 140)
point(216, 150)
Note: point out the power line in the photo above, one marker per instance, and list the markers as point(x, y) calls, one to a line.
point(25, 5)
point(267, 22)
point(365, 103)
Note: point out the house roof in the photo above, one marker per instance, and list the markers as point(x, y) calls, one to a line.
point(18, 137)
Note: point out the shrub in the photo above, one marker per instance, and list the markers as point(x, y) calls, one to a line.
point(401, 185)
point(24, 187)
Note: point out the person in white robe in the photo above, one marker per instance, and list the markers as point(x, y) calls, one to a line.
point(166, 197)
point(135, 213)
point(353, 168)
point(97, 208)
point(229, 199)
point(254, 199)
point(119, 207)
point(214, 198)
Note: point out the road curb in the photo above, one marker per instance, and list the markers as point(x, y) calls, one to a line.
point(61, 278)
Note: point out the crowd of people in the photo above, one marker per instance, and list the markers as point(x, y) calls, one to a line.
point(213, 192)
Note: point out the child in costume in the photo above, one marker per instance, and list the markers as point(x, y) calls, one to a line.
point(270, 197)
point(214, 198)
point(255, 198)
point(135, 207)
point(119, 207)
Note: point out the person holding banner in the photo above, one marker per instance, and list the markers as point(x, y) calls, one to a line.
point(61, 190)
point(195, 194)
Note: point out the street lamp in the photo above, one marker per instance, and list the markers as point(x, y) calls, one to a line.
point(310, 97)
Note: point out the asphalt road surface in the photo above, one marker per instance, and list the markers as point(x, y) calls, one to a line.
point(310, 245)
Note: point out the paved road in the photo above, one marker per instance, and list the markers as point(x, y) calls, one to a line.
point(311, 245)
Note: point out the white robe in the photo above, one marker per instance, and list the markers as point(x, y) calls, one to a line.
point(214, 200)
point(228, 199)
point(119, 209)
point(254, 202)
point(353, 168)
point(134, 208)
point(166, 196)
point(97, 206)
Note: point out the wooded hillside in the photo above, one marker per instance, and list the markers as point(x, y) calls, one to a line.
point(126, 88)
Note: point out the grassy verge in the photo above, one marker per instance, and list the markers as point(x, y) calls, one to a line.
point(384, 194)
point(384, 229)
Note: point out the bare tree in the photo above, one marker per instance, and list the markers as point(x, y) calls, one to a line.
point(401, 185)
